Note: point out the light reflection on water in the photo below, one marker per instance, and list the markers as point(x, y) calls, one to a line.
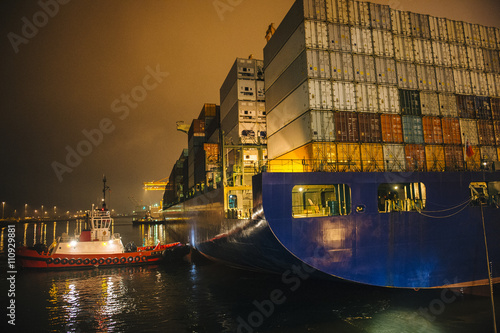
point(211, 298)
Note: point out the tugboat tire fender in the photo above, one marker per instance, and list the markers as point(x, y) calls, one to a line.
point(79, 261)
point(101, 261)
point(137, 259)
point(115, 260)
point(93, 261)
point(57, 261)
point(123, 260)
point(64, 261)
point(144, 258)
point(72, 261)
point(130, 259)
point(109, 261)
point(49, 261)
point(86, 261)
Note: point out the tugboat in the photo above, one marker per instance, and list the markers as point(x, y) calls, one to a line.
point(92, 248)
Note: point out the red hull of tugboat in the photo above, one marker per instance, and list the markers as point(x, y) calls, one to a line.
point(29, 258)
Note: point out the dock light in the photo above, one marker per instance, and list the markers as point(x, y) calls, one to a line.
point(395, 187)
point(73, 243)
point(301, 189)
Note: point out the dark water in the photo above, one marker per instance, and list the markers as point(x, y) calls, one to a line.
point(207, 297)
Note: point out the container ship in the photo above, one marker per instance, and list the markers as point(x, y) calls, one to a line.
point(364, 147)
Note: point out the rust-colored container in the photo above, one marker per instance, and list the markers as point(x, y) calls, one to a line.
point(466, 108)
point(433, 132)
point(369, 127)
point(392, 128)
point(454, 158)
point(415, 157)
point(451, 131)
point(486, 132)
point(495, 108)
point(372, 157)
point(346, 127)
point(434, 156)
point(211, 152)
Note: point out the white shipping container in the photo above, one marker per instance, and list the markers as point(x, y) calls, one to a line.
point(242, 90)
point(316, 34)
point(261, 112)
point(462, 81)
point(312, 94)
point(394, 158)
point(380, 16)
point(342, 66)
point(491, 61)
point(344, 98)
point(479, 83)
point(407, 75)
point(403, 48)
point(497, 37)
point(400, 21)
point(429, 103)
point(388, 98)
point(468, 128)
point(448, 105)
point(455, 31)
point(383, 44)
point(361, 40)
point(444, 79)
point(359, 13)
point(476, 35)
point(311, 126)
point(318, 64)
point(385, 69)
point(293, 47)
point(314, 10)
point(247, 111)
point(244, 133)
point(442, 53)
point(426, 78)
point(339, 37)
point(489, 153)
point(423, 51)
point(458, 55)
point(337, 11)
point(491, 80)
point(475, 57)
point(366, 98)
point(471, 33)
point(490, 41)
point(420, 25)
point(438, 28)
point(364, 68)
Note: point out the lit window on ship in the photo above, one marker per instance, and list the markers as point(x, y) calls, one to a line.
point(321, 200)
point(402, 197)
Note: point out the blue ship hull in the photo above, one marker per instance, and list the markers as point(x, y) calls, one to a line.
point(408, 249)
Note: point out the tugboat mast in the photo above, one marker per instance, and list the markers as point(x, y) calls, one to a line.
point(104, 192)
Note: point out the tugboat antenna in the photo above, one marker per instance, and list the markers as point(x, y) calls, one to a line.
point(104, 191)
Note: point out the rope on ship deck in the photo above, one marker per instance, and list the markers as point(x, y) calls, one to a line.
point(464, 204)
point(489, 272)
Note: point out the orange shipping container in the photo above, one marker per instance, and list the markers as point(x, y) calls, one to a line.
point(434, 156)
point(392, 129)
point(451, 131)
point(348, 157)
point(433, 132)
point(454, 158)
point(415, 157)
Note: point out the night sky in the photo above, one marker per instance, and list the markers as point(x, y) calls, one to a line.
point(96, 87)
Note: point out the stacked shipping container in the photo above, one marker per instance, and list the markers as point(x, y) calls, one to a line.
point(352, 72)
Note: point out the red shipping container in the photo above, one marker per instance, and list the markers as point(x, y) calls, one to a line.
point(392, 128)
point(415, 157)
point(496, 129)
point(369, 127)
point(486, 132)
point(454, 158)
point(451, 131)
point(495, 108)
point(346, 127)
point(433, 132)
